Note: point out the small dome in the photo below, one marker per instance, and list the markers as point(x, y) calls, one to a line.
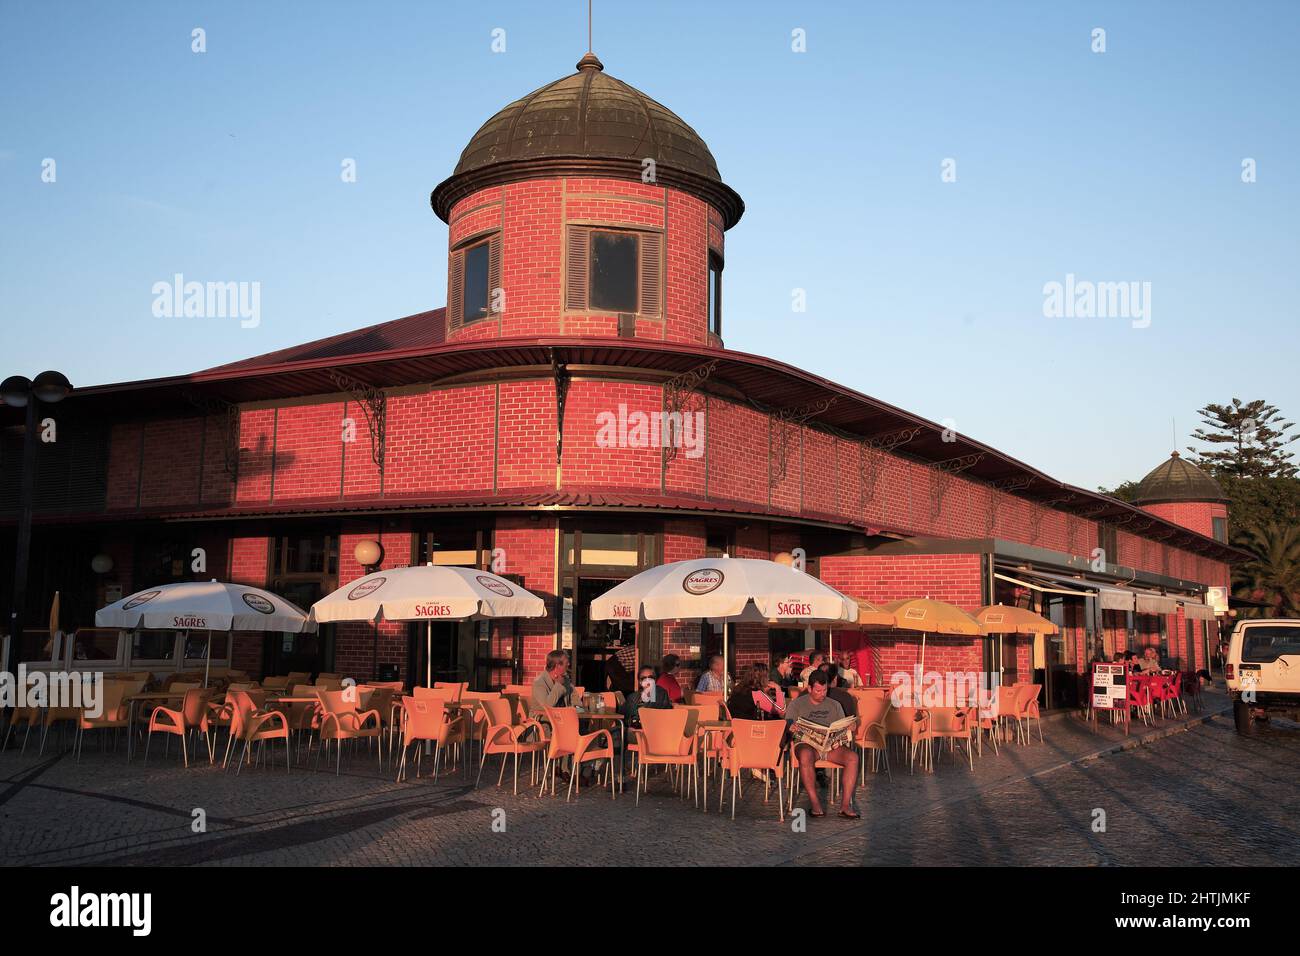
point(1177, 479)
point(587, 124)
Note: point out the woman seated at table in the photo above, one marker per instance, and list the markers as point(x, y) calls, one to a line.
point(647, 694)
point(756, 696)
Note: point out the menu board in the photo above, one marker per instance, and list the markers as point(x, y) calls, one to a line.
point(1109, 687)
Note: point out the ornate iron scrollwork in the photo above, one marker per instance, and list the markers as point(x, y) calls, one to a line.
point(678, 391)
point(783, 419)
point(219, 407)
point(943, 475)
point(374, 406)
point(560, 371)
point(873, 452)
point(996, 490)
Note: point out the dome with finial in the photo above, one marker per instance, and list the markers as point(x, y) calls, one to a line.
point(588, 124)
point(1177, 479)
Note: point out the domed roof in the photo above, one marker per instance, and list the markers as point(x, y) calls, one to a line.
point(587, 123)
point(1177, 479)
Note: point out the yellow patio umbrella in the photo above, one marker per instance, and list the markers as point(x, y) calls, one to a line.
point(1007, 619)
point(54, 615)
point(931, 617)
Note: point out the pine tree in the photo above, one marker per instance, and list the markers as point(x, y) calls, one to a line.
point(1253, 439)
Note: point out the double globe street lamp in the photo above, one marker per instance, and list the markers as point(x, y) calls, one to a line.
point(17, 391)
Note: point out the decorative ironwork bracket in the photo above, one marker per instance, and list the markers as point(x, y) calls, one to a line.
point(212, 408)
point(943, 475)
point(782, 418)
point(561, 373)
point(374, 406)
point(996, 490)
point(869, 460)
point(678, 391)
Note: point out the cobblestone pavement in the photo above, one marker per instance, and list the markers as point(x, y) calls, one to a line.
point(1198, 795)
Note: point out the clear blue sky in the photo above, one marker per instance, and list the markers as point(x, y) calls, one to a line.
point(1122, 166)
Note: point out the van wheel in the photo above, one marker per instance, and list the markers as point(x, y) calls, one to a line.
point(1242, 717)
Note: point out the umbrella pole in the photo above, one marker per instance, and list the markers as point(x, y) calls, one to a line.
point(726, 662)
point(207, 658)
point(428, 654)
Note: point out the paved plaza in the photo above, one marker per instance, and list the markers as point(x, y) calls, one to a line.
point(1191, 793)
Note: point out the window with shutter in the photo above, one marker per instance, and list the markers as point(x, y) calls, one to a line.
point(496, 295)
point(455, 290)
point(651, 269)
point(577, 268)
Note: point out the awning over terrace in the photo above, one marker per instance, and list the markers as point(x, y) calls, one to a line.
point(1111, 597)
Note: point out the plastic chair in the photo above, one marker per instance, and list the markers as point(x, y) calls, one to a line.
point(341, 720)
point(566, 741)
point(904, 724)
point(457, 689)
point(113, 713)
point(504, 735)
point(665, 739)
point(871, 732)
point(424, 719)
point(945, 723)
point(250, 725)
point(192, 716)
point(1138, 696)
point(755, 745)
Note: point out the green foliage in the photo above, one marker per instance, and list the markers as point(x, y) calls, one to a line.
point(1273, 574)
point(1249, 441)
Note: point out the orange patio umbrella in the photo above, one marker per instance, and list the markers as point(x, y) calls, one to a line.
point(1006, 619)
point(931, 617)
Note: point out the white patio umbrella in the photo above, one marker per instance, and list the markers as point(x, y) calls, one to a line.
point(428, 593)
point(204, 606)
point(725, 589)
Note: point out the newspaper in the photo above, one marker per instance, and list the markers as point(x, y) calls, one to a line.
point(821, 737)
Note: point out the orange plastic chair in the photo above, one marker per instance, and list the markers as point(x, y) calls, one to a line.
point(192, 715)
point(424, 718)
point(944, 723)
point(904, 723)
point(871, 732)
point(113, 715)
point(755, 745)
point(458, 690)
point(567, 741)
point(504, 735)
point(1027, 708)
point(252, 725)
point(341, 720)
point(665, 739)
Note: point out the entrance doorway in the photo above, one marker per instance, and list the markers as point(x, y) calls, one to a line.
point(285, 653)
point(597, 644)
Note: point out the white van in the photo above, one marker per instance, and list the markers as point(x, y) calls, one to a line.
point(1263, 670)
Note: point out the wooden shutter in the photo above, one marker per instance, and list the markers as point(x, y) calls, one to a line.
point(456, 290)
point(650, 269)
point(577, 268)
point(494, 272)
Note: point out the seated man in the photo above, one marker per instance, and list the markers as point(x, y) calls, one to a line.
point(1150, 661)
point(815, 660)
point(714, 680)
point(553, 687)
point(783, 672)
point(816, 707)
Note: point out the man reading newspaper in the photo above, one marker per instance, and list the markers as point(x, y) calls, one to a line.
point(817, 709)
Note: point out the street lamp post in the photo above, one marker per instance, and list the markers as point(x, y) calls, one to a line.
point(19, 392)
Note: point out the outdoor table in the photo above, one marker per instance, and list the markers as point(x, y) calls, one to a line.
point(703, 728)
point(158, 696)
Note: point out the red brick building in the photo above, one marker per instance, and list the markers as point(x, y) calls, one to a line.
point(570, 417)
